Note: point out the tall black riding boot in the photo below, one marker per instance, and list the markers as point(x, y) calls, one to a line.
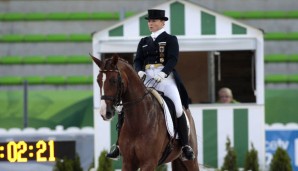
point(183, 135)
point(115, 153)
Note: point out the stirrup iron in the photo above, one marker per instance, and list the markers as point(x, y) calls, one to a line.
point(114, 153)
point(187, 153)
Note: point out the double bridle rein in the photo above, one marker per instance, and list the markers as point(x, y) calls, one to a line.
point(120, 89)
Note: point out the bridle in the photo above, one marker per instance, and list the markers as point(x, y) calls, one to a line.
point(117, 98)
point(120, 89)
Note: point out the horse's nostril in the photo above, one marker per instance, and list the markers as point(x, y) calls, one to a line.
point(109, 114)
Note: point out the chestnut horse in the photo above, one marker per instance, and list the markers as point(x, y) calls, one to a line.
point(143, 137)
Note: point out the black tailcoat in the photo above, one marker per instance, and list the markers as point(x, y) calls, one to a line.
point(148, 53)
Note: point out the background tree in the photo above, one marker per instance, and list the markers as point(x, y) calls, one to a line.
point(66, 164)
point(251, 160)
point(230, 160)
point(281, 161)
point(162, 167)
point(105, 164)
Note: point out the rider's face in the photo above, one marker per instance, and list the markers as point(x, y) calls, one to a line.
point(155, 24)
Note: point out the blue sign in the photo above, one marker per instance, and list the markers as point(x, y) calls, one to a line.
point(286, 139)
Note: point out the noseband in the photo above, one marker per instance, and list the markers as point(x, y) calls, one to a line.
point(117, 98)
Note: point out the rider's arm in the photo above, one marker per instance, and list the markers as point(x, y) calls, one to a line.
point(172, 53)
point(139, 59)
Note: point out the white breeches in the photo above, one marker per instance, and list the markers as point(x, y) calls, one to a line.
point(167, 86)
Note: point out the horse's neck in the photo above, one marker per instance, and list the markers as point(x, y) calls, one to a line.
point(138, 101)
point(135, 88)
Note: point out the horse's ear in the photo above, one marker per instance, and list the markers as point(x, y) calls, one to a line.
point(115, 59)
point(97, 61)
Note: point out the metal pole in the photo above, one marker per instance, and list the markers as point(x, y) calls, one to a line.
point(25, 104)
point(122, 14)
point(211, 77)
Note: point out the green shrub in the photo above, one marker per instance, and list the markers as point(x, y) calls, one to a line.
point(104, 163)
point(251, 160)
point(91, 166)
point(280, 161)
point(66, 164)
point(162, 167)
point(230, 160)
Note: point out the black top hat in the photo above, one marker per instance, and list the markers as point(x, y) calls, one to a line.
point(156, 14)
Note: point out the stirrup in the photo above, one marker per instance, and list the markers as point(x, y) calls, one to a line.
point(187, 153)
point(114, 154)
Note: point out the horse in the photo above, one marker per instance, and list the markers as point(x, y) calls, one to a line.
point(143, 137)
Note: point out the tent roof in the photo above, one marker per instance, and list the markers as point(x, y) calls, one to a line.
point(190, 22)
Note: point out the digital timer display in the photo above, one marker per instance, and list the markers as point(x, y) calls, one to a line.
point(39, 151)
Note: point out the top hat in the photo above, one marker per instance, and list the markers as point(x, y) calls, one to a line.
point(156, 14)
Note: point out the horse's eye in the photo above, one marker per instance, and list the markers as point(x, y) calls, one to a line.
point(113, 81)
point(98, 81)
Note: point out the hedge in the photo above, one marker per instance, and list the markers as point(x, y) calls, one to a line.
point(62, 16)
point(55, 59)
point(46, 80)
point(18, 38)
point(262, 14)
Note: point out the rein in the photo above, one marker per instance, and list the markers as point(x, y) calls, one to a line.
point(135, 101)
point(117, 98)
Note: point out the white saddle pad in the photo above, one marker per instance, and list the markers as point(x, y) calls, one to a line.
point(168, 116)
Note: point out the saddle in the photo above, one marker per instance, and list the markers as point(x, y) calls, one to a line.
point(167, 104)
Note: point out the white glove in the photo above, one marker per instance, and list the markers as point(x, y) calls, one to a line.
point(141, 74)
point(160, 76)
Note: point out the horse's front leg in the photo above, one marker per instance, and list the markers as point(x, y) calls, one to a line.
point(129, 165)
point(148, 166)
point(126, 167)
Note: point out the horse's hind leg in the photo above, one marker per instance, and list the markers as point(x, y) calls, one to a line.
point(188, 165)
point(192, 165)
point(177, 165)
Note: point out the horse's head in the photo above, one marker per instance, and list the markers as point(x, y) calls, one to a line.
point(110, 84)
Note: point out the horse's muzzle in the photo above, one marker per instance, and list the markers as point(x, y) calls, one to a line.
point(106, 111)
point(108, 114)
